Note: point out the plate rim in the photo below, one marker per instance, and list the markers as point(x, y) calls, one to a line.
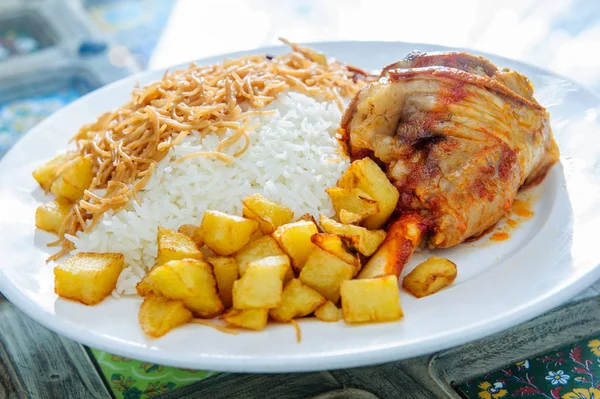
point(353, 358)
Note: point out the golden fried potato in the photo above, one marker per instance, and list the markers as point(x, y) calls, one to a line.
point(146, 286)
point(46, 173)
point(324, 273)
point(403, 236)
point(308, 217)
point(347, 217)
point(226, 272)
point(225, 234)
point(366, 175)
point(252, 319)
point(295, 240)
point(50, 216)
point(430, 276)
point(297, 300)
point(261, 248)
point(76, 178)
point(267, 213)
point(354, 201)
point(368, 240)
point(339, 246)
point(328, 312)
point(261, 284)
point(173, 245)
point(159, 315)
point(191, 281)
point(193, 232)
point(88, 277)
point(376, 299)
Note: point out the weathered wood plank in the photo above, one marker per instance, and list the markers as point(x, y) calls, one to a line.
point(387, 381)
point(11, 385)
point(46, 365)
point(280, 386)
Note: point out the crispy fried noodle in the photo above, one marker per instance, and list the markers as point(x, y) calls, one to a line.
point(126, 143)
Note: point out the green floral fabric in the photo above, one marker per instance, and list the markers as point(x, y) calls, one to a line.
point(569, 372)
point(131, 379)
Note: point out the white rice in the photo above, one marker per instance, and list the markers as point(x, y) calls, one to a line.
point(293, 157)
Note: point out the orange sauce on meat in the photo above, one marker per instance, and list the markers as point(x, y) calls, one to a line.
point(500, 236)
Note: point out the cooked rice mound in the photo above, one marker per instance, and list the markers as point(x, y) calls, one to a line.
point(223, 102)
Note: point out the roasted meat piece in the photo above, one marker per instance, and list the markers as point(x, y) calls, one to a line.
point(457, 136)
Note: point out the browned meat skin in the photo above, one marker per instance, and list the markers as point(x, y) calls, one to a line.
point(457, 140)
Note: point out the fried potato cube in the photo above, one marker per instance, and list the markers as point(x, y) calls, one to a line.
point(159, 315)
point(376, 299)
point(269, 214)
point(352, 201)
point(261, 248)
point(324, 273)
point(368, 240)
point(191, 281)
point(46, 173)
point(295, 240)
point(225, 234)
point(50, 216)
point(366, 175)
point(262, 284)
point(347, 217)
point(226, 272)
point(252, 319)
point(193, 232)
point(88, 277)
point(175, 246)
point(430, 276)
point(328, 312)
point(76, 178)
point(339, 246)
point(146, 287)
point(297, 300)
point(308, 217)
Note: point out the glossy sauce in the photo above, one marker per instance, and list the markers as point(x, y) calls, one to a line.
point(500, 236)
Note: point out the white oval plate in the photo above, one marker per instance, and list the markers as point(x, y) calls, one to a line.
point(545, 262)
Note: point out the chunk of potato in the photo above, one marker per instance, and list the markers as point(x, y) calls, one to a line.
point(328, 312)
point(261, 248)
point(347, 217)
point(297, 300)
point(262, 284)
point(225, 234)
point(368, 240)
point(366, 175)
point(159, 315)
point(430, 276)
point(46, 173)
point(308, 217)
point(269, 214)
point(226, 272)
point(50, 216)
point(146, 287)
point(76, 178)
point(88, 277)
point(339, 246)
point(191, 281)
point(295, 240)
point(324, 273)
point(252, 319)
point(193, 232)
point(375, 299)
point(173, 245)
point(403, 236)
point(354, 201)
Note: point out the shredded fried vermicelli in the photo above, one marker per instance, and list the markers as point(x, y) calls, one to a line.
point(126, 143)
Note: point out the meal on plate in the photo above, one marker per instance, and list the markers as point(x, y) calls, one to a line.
point(275, 188)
